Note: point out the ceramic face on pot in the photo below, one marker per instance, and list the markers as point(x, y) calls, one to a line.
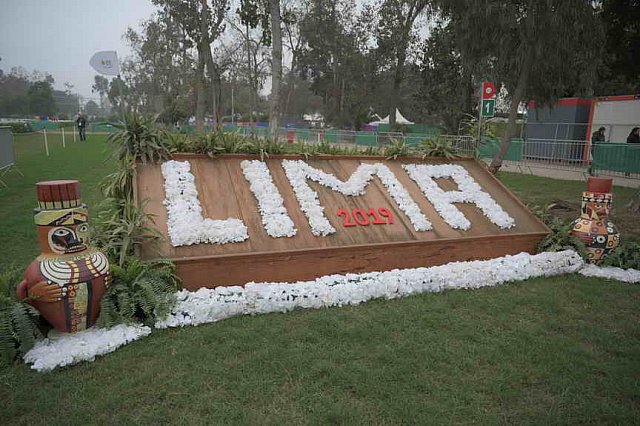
point(66, 282)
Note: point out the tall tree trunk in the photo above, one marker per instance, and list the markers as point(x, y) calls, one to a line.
point(200, 93)
point(213, 75)
point(276, 67)
point(206, 49)
point(521, 86)
point(634, 204)
point(252, 107)
point(395, 95)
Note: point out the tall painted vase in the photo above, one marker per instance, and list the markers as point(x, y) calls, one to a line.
point(67, 281)
point(593, 226)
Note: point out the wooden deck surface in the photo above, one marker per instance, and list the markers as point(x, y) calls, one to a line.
point(224, 193)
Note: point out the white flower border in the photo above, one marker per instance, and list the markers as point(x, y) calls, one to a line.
point(298, 172)
point(609, 272)
point(469, 192)
point(209, 305)
point(185, 223)
point(215, 304)
point(67, 349)
point(275, 217)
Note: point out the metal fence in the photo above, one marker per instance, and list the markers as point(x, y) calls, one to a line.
point(612, 159)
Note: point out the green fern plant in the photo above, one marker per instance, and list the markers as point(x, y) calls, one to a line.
point(437, 147)
point(137, 137)
point(561, 238)
point(625, 256)
point(139, 291)
point(18, 321)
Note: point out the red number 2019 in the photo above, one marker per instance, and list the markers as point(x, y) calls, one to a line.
point(361, 217)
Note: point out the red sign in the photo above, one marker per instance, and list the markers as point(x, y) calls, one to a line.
point(488, 90)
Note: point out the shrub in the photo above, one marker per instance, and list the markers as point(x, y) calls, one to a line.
point(625, 256)
point(398, 148)
point(138, 138)
point(139, 291)
point(438, 147)
point(122, 226)
point(561, 238)
point(18, 126)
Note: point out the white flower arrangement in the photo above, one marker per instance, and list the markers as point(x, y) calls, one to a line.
point(185, 223)
point(275, 217)
point(67, 349)
point(210, 305)
point(612, 273)
point(298, 172)
point(469, 192)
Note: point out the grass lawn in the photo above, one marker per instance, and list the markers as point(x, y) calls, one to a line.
point(554, 350)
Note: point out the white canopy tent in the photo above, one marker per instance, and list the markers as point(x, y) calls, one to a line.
point(399, 119)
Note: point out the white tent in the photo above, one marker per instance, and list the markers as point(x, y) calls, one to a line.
point(399, 119)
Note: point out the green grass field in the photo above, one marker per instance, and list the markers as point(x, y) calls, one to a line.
point(556, 350)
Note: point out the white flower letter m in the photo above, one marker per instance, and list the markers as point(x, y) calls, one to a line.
point(298, 172)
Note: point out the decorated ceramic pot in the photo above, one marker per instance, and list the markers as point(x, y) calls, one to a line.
point(593, 226)
point(66, 282)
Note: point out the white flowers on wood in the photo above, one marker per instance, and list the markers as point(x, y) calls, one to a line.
point(298, 172)
point(185, 223)
point(469, 192)
point(275, 218)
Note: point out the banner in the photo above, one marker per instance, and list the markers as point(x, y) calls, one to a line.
point(105, 62)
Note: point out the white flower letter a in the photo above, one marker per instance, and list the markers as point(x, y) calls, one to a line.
point(185, 223)
point(469, 192)
point(298, 172)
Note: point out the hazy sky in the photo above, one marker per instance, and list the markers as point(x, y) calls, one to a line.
point(60, 36)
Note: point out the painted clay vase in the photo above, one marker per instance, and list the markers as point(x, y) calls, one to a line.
point(593, 226)
point(66, 282)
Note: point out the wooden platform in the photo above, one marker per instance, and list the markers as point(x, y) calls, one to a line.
point(224, 192)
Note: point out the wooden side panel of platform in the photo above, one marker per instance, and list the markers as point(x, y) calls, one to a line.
point(296, 265)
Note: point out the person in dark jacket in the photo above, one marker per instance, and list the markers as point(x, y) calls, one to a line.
point(634, 136)
point(596, 138)
point(81, 123)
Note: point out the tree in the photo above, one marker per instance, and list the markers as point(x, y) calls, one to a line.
point(334, 58)
point(446, 89)
point(202, 22)
point(40, 98)
point(266, 13)
point(620, 73)
point(540, 49)
point(394, 35)
point(91, 108)
point(162, 69)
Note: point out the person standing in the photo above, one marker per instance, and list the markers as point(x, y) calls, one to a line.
point(634, 136)
point(596, 138)
point(81, 123)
